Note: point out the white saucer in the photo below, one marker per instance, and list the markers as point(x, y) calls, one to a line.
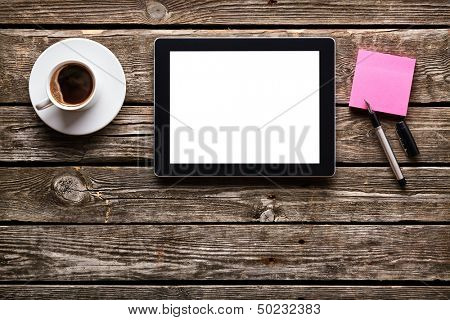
point(110, 80)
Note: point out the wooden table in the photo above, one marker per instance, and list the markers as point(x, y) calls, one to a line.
point(84, 217)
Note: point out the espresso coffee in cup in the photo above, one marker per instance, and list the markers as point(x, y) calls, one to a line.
point(71, 84)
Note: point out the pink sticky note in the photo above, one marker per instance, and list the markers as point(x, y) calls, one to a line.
point(384, 80)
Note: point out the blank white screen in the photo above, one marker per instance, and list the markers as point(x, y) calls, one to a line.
point(244, 107)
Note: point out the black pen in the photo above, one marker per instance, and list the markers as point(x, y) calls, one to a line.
point(386, 146)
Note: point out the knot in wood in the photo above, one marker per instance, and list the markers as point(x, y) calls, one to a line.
point(156, 10)
point(267, 216)
point(69, 188)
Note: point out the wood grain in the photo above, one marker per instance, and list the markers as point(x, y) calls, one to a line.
point(135, 195)
point(225, 12)
point(20, 48)
point(24, 137)
point(80, 227)
point(213, 292)
point(224, 252)
point(129, 138)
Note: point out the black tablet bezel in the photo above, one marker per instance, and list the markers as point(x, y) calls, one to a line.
point(163, 47)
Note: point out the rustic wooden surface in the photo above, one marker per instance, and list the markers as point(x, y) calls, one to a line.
point(85, 218)
point(128, 139)
point(206, 12)
point(19, 48)
point(135, 195)
point(224, 252)
point(278, 292)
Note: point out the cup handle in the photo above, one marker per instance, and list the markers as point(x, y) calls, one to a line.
point(44, 104)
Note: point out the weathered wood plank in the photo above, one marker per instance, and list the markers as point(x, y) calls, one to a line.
point(129, 138)
point(356, 142)
point(24, 137)
point(225, 12)
point(20, 48)
point(254, 292)
point(135, 195)
point(224, 252)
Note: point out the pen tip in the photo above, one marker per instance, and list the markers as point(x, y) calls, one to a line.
point(368, 106)
point(402, 183)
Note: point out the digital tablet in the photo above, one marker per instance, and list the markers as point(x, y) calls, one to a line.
point(244, 107)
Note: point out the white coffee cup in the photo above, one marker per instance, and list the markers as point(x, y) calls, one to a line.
point(50, 100)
